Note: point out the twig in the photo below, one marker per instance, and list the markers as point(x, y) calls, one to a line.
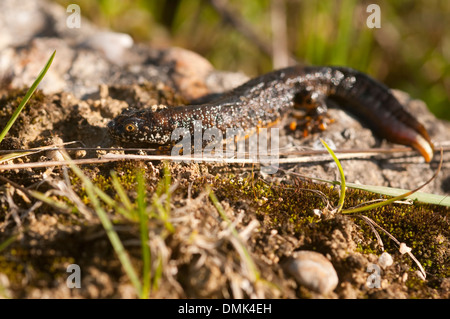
point(368, 220)
point(377, 235)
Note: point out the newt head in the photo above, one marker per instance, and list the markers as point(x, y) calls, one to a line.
point(139, 126)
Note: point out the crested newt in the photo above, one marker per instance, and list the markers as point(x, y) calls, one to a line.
point(265, 99)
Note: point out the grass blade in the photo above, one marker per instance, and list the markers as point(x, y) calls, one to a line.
point(143, 227)
point(8, 242)
point(26, 97)
point(396, 198)
point(163, 211)
point(49, 201)
point(158, 273)
point(427, 198)
point(125, 200)
point(253, 270)
point(11, 156)
point(124, 259)
point(341, 172)
point(125, 211)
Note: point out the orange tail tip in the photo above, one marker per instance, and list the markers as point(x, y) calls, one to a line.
point(425, 147)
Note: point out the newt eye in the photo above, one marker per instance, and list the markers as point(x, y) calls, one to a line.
point(130, 128)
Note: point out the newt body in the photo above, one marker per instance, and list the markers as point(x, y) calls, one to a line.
point(265, 99)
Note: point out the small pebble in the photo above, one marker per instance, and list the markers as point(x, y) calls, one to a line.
point(405, 277)
point(420, 275)
point(55, 155)
point(317, 212)
point(80, 154)
point(385, 260)
point(312, 270)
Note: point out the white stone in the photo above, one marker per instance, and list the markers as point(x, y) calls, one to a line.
point(312, 270)
point(385, 260)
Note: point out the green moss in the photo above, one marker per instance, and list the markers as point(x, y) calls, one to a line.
point(103, 180)
point(57, 263)
point(12, 100)
point(13, 270)
point(29, 114)
point(281, 205)
point(19, 262)
point(414, 282)
point(367, 249)
point(424, 228)
point(421, 227)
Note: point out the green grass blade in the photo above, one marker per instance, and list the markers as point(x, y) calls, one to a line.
point(341, 172)
point(118, 247)
point(26, 98)
point(128, 213)
point(35, 150)
point(376, 205)
point(163, 210)
point(49, 201)
point(399, 197)
point(248, 259)
point(163, 215)
point(11, 156)
point(373, 206)
point(121, 192)
point(143, 227)
point(8, 242)
point(427, 198)
point(158, 274)
point(114, 238)
point(167, 182)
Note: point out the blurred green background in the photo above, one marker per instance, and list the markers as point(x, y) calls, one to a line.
point(411, 50)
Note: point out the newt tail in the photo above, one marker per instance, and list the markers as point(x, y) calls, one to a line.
point(265, 99)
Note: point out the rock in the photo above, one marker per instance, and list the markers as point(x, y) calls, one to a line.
point(312, 270)
point(190, 70)
point(385, 260)
point(112, 44)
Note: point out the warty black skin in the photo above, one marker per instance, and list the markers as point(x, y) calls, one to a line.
point(265, 99)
